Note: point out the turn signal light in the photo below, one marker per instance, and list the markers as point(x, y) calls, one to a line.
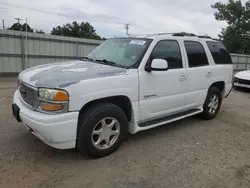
point(62, 96)
point(50, 106)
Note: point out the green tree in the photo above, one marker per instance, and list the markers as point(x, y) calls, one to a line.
point(236, 36)
point(80, 30)
point(16, 27)
point(28, 28)
point(20, 27)
point(40, 31)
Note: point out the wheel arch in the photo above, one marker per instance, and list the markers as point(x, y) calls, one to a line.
point(220, 85)
point(120, 100)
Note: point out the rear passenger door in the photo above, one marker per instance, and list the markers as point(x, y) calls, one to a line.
point(199, 73)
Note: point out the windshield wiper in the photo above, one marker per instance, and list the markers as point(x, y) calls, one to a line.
point(103, 61)
point(106, 62)
point(87, 59)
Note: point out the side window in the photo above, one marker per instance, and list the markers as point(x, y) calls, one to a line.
point(196, 54)
point(170, 51)
point(219, 53)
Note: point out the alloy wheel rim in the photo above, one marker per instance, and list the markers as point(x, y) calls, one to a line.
point(213, 104)
point(105, 133)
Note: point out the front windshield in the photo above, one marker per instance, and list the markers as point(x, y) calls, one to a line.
point(124, 52)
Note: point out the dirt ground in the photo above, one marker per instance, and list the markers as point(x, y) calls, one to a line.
point(189, 153)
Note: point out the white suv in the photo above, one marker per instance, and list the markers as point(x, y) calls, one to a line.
point(124, 85)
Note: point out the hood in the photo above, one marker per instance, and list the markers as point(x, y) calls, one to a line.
point(60, 75)
point(243, 75)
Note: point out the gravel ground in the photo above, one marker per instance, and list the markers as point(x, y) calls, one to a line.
point(188, 153)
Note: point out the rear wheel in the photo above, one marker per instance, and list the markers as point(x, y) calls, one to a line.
point(102, 130)
point(212, 104)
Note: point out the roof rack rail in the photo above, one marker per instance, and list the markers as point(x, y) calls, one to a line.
point(208, 37)
point(182, 34)
point(204, 36)
point(162, 34)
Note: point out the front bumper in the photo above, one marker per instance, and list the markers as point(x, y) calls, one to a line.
point(58, 131)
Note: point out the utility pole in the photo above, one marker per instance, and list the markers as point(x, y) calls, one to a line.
point(18, 20)
point(3, 23)
point(126, 26)
point(26, 45)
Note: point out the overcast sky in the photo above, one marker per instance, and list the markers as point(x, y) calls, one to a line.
point(109, 16)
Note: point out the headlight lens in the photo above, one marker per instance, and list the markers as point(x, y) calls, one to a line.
point(235, 79)
point(52, 95)
point(53, 100)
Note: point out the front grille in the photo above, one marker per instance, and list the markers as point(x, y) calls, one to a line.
point(28, 94)
point(241, 81)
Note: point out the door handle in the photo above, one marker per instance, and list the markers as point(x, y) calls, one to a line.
point(208, 74)
point(183, 78)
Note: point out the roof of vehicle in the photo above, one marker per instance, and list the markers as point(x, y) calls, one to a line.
point(187, 36)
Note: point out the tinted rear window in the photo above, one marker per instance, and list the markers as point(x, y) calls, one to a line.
point(219, 53)
point(196, 54)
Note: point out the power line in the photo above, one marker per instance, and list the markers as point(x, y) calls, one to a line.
point(41, 10)
point(49, 11)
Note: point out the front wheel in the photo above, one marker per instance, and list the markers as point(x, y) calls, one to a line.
point(212, 104)
point(101, 130)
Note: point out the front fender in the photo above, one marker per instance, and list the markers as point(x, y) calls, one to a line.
point(86, 91)
point(77, 103)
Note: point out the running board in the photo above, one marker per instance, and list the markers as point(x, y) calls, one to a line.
point(171, 118)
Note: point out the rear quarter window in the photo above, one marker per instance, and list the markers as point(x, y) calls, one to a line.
point(219, 53)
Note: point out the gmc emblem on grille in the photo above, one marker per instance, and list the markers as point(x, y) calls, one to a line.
point(23, 92)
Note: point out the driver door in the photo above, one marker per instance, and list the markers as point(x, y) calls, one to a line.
point(162, 93)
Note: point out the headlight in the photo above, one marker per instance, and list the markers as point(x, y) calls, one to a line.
point(235, 79)
point(53, 100)
point(52, 95)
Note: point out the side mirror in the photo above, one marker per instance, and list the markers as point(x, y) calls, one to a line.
point(248, 67)
point(158, 65)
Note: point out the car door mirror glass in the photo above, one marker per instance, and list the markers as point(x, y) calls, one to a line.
point(159, 65)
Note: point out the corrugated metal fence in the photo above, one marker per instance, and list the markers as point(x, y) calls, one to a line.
point(240, 61)
point(42, 49)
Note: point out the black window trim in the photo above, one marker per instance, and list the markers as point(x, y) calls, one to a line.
point(149, 61)
point(187, 53)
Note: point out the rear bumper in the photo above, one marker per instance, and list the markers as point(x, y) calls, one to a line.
point(58, 131)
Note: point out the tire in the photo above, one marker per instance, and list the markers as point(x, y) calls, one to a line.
point(99, 118)
point(207, 114)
